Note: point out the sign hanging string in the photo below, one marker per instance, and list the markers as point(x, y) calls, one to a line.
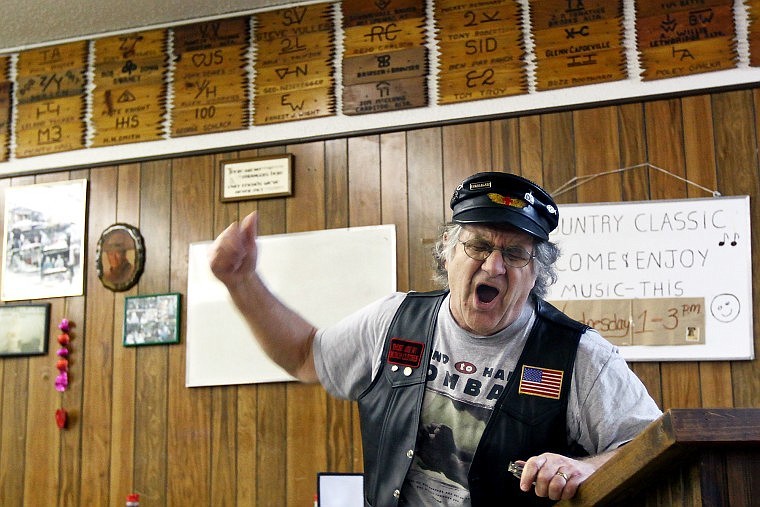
point(577, 181)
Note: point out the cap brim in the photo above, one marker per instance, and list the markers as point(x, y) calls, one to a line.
point(501, 215)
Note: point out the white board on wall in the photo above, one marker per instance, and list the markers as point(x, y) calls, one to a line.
point(323, 275)
point(685, 267)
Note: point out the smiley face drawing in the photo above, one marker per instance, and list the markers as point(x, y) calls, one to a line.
point(725, 307)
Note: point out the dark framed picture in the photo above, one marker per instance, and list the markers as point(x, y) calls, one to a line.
point(24, 329)
point(257, 178)
point(120, 257)
point(152, 319)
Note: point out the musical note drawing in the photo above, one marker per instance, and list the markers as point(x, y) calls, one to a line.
point(725, 239)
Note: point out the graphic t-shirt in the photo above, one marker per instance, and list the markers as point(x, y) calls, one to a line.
point(466, 376)
point(607, 406)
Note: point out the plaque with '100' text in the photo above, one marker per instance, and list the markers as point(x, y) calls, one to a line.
point(210, 78)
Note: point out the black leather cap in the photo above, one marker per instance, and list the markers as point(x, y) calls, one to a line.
point(503, 198)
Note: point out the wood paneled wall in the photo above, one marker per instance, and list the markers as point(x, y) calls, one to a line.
point(135, 426)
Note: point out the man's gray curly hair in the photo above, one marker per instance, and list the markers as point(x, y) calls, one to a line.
point(546, 255)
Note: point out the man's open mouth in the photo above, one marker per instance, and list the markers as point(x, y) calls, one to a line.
point(486, 293)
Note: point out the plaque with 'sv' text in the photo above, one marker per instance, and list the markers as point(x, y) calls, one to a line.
point(294, 70)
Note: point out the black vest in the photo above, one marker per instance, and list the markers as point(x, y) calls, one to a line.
point(520, 425)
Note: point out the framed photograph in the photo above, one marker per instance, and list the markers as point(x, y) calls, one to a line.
point(151, 320)
point(257, 178)
point(120, 257)
point(44, 240)
point(24, 329)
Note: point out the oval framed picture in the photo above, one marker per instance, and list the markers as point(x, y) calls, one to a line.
point(120, 257)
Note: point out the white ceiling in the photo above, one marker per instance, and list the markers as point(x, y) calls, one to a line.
point(34, 23)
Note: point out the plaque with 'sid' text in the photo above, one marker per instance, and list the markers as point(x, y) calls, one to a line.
point(662, 280)
point(480, 50)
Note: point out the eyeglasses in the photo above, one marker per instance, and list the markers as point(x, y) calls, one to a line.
point(480, 250)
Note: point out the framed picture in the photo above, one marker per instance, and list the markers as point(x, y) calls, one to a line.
point(120, 257)
point(257, 178)
point(151, 320)
point(44, 240)
point(24, 329)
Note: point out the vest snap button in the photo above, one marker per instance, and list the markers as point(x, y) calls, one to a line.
point(396, 494)
point(410, 453)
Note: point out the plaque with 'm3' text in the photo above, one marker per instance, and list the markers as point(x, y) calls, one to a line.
point(51, 99)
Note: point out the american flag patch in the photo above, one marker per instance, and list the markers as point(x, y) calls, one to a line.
point(541, 382)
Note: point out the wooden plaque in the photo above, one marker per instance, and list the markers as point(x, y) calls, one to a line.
point(577, 44)
point(129, 100)
point(294, 70)
point(51, 99)
point(210, 77)
point(293, 106)
point(480, 50)
point(384, 96)
point(675, 41)
point(393, 65)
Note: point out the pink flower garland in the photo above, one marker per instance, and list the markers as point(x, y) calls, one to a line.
point(62, 380)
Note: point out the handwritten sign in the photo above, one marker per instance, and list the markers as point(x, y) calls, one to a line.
point(664, 280)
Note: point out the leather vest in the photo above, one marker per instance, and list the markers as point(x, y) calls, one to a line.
point(520, 425)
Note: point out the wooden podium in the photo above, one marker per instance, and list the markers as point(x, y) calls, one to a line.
point(687, 457)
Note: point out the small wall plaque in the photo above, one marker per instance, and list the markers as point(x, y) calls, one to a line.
point(257, 178)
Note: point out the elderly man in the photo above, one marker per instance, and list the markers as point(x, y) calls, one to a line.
point(460, 389)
